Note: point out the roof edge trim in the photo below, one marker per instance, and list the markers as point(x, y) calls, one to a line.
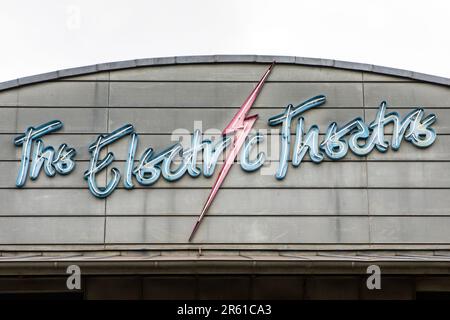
point(161, 61)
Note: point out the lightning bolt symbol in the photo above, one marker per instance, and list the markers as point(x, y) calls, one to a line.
point(240, 126)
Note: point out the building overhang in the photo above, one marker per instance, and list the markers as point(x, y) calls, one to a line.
point(199, 262)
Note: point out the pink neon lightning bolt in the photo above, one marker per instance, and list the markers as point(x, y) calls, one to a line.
point(240, 125)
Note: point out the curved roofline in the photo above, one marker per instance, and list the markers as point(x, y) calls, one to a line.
point(127, 64)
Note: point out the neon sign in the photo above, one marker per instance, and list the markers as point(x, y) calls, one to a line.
point(174, 162)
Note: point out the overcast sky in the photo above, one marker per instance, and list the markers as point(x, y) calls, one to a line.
point(45, 35)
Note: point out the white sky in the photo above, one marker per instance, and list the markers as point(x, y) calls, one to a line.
point(45, 35)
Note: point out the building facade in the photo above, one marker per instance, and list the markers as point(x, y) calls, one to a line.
point(309, 232)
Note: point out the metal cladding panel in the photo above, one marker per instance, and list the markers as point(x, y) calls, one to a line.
point(229, 94)
point(149, 120)
point(241, 72)
point(397, 198)
point(236, 229)
point(76, 120)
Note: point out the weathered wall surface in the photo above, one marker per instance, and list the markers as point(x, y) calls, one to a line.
point(397, 198)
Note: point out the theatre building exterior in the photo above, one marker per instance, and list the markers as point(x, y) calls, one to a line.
point(225, 177)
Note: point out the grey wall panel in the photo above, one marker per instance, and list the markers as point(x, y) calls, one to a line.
point(239, 202)
point(9, 171)
point(51, 230)
point(60, 93)
point(308, 175)
point(9, 97)
point(441, 126)
point(270, 146)
point(234, 72)
point(183, 120)
point(406, 95)
point(8, 151)
point(409, 201)
point(409, 174)
point(376, 77)
point(230, 95)
point(56, 202)
point(238, 230)
point(8, 120)
point(410, 229)
point(324, 175)
point(98, 76)
point(439, 150)
point(85, 120)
